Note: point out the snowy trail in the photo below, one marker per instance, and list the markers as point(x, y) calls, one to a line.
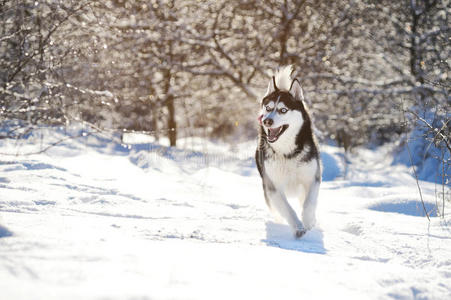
point(103, 223)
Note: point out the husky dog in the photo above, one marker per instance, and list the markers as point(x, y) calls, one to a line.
point(287, 155)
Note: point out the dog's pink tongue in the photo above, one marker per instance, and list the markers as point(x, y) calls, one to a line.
point(273, 132)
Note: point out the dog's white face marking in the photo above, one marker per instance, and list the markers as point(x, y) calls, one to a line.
point(269, 106)
point(285, 125)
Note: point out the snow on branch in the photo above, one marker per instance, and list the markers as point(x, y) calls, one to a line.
point(346, 80)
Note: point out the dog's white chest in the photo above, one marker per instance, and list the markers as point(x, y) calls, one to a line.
point(292, 177)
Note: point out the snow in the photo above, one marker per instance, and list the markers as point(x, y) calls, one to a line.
point(430, 161)
point(93, 219)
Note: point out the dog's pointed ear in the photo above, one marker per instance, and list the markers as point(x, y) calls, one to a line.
point(296, 90)
point(272, 87)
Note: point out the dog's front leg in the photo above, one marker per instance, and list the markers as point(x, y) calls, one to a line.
point(308, 212)
point(277, 200)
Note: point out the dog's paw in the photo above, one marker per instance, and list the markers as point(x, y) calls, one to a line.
point(300, 233)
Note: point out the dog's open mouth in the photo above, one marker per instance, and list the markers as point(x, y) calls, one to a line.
point(274, 133)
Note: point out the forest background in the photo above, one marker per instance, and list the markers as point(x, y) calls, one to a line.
point(372, 71)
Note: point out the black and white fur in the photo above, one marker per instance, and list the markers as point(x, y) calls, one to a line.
point(287, 154)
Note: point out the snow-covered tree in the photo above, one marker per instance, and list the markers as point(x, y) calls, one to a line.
point(31, 56)
point(197, 67)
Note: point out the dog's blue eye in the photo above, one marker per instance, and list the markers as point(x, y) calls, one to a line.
point(283, 110)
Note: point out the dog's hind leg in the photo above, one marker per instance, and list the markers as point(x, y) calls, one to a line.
point(308, 212)
point(277, 200)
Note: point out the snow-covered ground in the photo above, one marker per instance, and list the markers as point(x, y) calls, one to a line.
point(92, 219)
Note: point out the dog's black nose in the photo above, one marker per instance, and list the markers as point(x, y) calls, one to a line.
point(268, 122)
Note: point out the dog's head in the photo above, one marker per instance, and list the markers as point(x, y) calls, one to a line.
point(282, 108)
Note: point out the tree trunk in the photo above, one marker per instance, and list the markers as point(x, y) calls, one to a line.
point(172, 125)
point(169, 101)
point(414, 59)
point(154, 121)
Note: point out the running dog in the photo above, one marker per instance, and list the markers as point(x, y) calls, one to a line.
point(287, 154)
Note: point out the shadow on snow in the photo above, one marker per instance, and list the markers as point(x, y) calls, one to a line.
point(4, 232)
point(281, 236)
point(411, 208)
